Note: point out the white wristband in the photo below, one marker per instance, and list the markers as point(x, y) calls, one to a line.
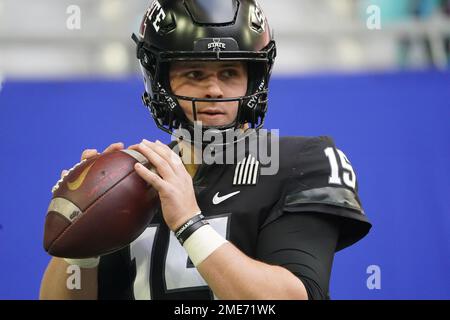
point(202, 243)
point(88, 263)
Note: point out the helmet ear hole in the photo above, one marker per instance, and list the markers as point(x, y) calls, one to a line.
point(164, 78)
point(254, 107)
point(148, 61)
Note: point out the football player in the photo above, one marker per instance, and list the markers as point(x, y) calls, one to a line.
point(227, 229)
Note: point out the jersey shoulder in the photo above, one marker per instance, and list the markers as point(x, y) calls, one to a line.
point(318, 177)
point(304, 151)
point(316, 162)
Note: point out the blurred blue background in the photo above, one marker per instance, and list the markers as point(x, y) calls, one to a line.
point(382, 94)
point(393, 127)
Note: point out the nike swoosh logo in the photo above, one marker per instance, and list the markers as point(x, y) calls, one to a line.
point(217, 199)
point(74, 185)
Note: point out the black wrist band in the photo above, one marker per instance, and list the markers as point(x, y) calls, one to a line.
point(188, 223)
point(190, 230)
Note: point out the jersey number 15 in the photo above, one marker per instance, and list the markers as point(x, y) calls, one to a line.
point(347, 176)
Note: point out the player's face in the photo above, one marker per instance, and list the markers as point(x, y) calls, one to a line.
point(209, 80)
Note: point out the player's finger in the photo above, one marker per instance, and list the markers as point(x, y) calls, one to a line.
point(150, 177)
point(64, 173)
point(134, 147)
point(176, 158)
point(114, 147)
point(162, 166)
point(167, 154)
point(88, 153)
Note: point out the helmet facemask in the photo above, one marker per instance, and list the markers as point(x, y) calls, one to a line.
point(155, 59)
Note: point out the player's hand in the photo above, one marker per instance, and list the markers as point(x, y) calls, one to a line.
point(174, 183)
point(89, 153)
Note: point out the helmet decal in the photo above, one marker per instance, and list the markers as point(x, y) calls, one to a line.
point(155, 14)
point(216, 45)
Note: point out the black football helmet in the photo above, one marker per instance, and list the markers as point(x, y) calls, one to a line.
point(204, 30)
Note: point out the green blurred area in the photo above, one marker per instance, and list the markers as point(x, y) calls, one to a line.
point(400, 10)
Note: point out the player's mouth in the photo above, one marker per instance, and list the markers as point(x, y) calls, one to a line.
point(212, 117)
point(210, 113)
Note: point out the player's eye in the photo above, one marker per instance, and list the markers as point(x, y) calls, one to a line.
point(230, 73)
point(194, 74)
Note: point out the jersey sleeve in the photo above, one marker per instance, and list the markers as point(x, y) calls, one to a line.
point(322, 180)
point(115, 276)
point(304, 244)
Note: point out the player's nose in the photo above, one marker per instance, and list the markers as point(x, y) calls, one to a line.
point(213, 89)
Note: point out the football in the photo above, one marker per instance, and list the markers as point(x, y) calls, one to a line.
point(99, 206)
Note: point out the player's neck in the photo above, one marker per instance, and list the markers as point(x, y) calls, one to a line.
point(191, 157)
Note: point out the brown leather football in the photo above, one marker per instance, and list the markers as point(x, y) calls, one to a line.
point(100, 206)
